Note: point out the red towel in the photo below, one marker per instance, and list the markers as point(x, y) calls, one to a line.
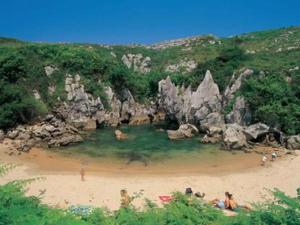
point(165, 198)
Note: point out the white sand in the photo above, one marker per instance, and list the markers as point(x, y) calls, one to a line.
point(103, 190)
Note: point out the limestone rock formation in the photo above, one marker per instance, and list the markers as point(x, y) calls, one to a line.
point(137, 62)
point(65, 140)
point(240, 113)
point(185, 66)
point(126, 110)
point(236, 83)
point(202, 107)
point(81, 108)
point(52, 131)
point(234, 137)
point(255, 131)
point(49, 70)
point(184, 131)
point(213, 135)
point(293, 142)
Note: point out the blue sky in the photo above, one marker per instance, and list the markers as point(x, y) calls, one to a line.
point(133, 21)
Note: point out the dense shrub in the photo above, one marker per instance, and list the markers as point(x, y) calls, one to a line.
point(273, 101)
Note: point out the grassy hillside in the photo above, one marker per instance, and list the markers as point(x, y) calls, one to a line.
point(275, 52)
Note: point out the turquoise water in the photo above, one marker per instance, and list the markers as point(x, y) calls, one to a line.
point(144, 144)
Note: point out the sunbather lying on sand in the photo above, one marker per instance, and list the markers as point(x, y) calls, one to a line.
point(222, 204)
point(234, 206)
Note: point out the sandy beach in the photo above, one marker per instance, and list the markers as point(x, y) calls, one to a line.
point(63, 187)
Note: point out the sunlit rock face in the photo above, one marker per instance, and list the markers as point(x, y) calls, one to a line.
point(202, 107)
point(137, 62)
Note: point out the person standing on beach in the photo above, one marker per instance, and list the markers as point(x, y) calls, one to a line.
point(274, 156)
point(82, 173)
point(264, 160)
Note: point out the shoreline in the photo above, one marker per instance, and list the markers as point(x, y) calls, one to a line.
point(64, 188)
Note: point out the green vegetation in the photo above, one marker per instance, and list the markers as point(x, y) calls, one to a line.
point(16, 209)
point(274, 101)
point(275, 52)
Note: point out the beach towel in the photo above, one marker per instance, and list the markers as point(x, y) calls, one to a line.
point(165, 198)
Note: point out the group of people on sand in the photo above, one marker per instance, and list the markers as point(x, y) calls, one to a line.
point(228, 203)
point(264, 158)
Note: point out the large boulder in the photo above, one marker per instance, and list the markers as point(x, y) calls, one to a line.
point(256, 131)
point(40, 131)
point(234, 137)
point(184, 131)
point(213, 135)
point(12, 134)
point(293, 142)
point(65, 140)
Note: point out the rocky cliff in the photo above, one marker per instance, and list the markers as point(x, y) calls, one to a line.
point(205, 108)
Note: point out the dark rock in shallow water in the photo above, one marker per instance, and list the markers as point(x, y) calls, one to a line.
point(184, 131)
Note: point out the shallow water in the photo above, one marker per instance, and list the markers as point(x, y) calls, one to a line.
point(144, 144)
point(148, 150)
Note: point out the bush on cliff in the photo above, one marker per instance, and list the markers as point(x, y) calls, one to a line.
point(273, 101)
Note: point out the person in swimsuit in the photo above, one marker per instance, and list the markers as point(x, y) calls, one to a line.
point(125, 199)
point(234, 206)
point(82, 173)
point(274, 156)
point(264, 160)
point(222, 204)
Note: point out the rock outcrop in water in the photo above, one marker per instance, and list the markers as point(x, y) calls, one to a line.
point(120, 135)
point(184, 131)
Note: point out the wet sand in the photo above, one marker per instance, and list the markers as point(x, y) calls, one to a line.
point(240, 174)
